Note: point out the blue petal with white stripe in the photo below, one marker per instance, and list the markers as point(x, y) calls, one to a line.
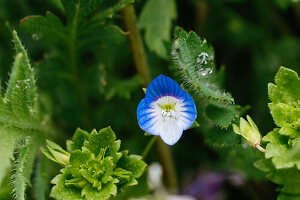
point(167, 110)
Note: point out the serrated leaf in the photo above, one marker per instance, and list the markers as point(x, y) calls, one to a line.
point(280, 151)
point(107, 191)
point(49, 28)
point(61, 192)
point(96, 169)
point(195, 60)
point(19, 115)
point(157, 32)
point(76, 10)
point(285, 97)
point(77, 140)
point(287, 88)
point(289, 187)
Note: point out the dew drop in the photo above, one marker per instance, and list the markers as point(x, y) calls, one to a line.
point(202, 58)
point(205, 71)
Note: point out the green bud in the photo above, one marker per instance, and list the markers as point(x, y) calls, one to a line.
point(55, 153)
point(249, 131)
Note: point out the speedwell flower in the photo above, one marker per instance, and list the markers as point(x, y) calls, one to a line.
point(167, 110)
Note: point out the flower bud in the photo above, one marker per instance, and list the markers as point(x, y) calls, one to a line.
point(250, 132)
point(57, 154)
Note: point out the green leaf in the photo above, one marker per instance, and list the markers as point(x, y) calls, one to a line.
point(49, 28)
point(96, 169)
point(61, 192)
point(19, 113)
point(289, 187)
point(18, 177)
point(195, 125)
point(157, 32)
point(195, 60)
point(280, 151)
point(285, 106)
point(76, 10)
point(218, 137)
point(222, 115)
point(123, 88)
point(287, 88)
point(40, 180)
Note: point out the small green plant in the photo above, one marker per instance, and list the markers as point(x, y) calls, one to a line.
point(94, 168)
point(281, 162)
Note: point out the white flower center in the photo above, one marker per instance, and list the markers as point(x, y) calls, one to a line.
point(168, 113)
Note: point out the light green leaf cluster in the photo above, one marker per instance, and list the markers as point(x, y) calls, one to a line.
point(94, 168)
point(158, 29)
point(21, 122)
point(281, 162)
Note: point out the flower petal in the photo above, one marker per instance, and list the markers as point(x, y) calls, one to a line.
point(170, 132)
point(145, 116)
point(188, 112)
point(163, 86)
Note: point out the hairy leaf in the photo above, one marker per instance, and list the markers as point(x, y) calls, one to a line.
point(20, 116)
point(195, 60)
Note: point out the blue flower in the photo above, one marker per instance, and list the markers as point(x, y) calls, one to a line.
point(167, 110)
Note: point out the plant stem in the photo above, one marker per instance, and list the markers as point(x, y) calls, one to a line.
point(74, 68)
point(140, 60)
point(136, 44)
point(260, 148)
point(149, 146)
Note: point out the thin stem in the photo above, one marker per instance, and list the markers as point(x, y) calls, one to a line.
point(136, 44)
point(140, 60)
point(149, 146)
point(74, 68)
point(260, 148)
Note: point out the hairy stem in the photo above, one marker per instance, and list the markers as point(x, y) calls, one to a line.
point(140, 60)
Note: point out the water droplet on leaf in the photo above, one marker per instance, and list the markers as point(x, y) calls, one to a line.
point(205, 71)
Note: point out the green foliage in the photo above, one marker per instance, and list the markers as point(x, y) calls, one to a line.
point(19, 180)
point(280, 161)
point(20, 118)
point(195, 60)
point(94, 168)
point(222, 114)
point(88, 31)
point(158, 29)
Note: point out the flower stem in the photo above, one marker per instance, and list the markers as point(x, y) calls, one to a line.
point(260, 148)
point(149, 146)
point(140, 60)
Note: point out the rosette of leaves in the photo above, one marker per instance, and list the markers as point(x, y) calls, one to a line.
point(94, 168)
point(281, 161)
